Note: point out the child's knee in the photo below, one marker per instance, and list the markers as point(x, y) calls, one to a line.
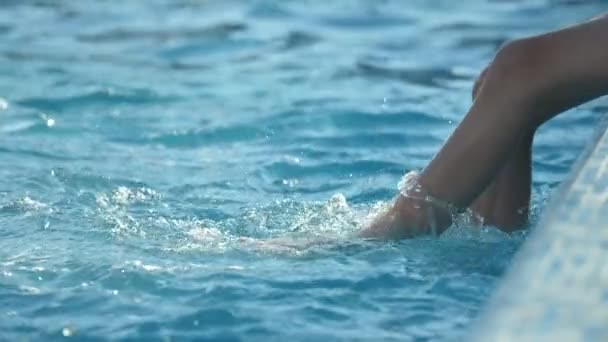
point(515, 77)
point(518, 61)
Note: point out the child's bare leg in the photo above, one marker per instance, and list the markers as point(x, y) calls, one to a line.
point(505, 202)
point(530, 81)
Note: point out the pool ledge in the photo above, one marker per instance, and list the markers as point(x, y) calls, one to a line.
point(557, 286)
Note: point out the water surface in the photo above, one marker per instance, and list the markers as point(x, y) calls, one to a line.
point(150, 149)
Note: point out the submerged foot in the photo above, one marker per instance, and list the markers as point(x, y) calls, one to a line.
point(406, 218)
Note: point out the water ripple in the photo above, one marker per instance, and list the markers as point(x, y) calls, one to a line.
point(431, 77)
point(198, 138)
point(217, 31)
point(98, 97)
point(298, 39)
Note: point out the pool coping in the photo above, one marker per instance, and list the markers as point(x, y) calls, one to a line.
point(557, 285)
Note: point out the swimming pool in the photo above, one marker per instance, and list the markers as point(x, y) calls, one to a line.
point(149, 148)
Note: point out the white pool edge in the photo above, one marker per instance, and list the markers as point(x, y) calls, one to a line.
point(557, 286)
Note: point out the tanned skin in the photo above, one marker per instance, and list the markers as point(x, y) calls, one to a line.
point(485, 164)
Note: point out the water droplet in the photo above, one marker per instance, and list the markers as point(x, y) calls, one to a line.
point(3, 104)
point(50, 122)
point(67, 332)
point(115, 292)
point(384, 103)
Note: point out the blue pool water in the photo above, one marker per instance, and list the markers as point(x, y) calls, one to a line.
point(182, 169)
